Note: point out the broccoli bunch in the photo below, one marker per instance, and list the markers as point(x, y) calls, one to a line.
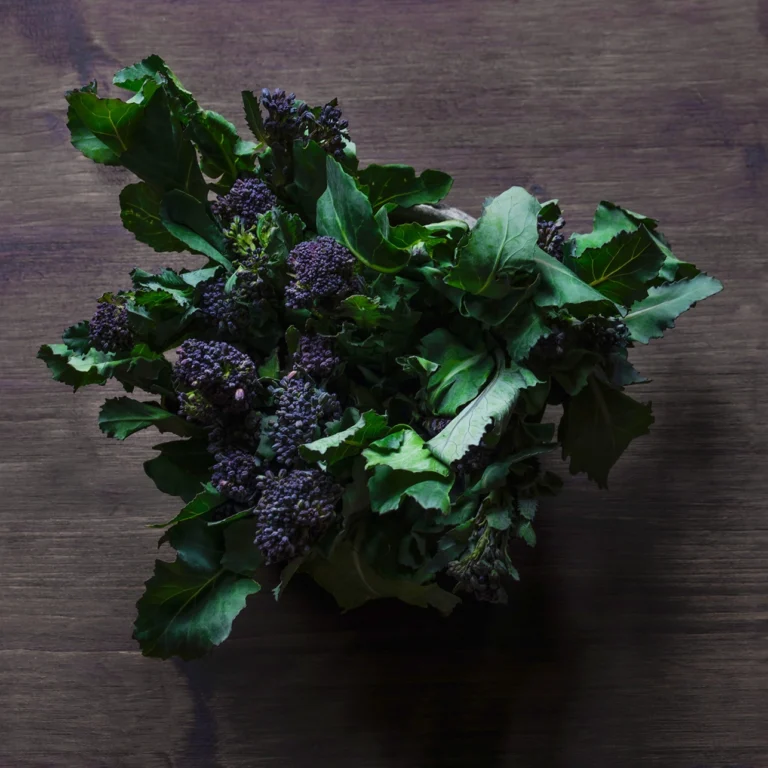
point(315, 356)
point(108, 330)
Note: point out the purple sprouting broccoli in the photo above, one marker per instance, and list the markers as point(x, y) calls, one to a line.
point(324, 273)
point(480, 570)
point(295, 508)
point(246, 200)
point(108, 330)
point(300, 408)
point(603, 335)
point(328, 129)
point(285, 118)
point(236, 474)
point(551, 237)
point(222, 309)
point(315, 356)
point(214, 377)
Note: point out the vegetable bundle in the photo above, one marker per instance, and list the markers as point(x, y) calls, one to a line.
point(357, 378)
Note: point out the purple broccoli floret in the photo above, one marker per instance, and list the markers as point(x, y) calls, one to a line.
point(315, 356)
point(247, 200)
point(324, 274)
point(108, 330)
point(329, 130)
point(212, 377)
point(295, 508)
point(236, 474)
point(222, 309)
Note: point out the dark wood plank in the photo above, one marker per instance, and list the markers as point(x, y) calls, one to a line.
point(637, 636)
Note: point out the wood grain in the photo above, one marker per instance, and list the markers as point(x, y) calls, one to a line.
point(638, 634)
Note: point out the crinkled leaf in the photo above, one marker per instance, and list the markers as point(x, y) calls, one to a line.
point(344, 213)
point(140, 213)
point(559, 286)
point(399, 185)
point(182, 467)
point(410, 455)
point(504, 238)
point(387, 488)
point(494, 403)
point(349, 442)
point(649, 318)
point(353, 582)
point(597, 426)
point(522, 331)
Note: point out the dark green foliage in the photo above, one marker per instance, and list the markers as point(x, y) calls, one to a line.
point(360, 399)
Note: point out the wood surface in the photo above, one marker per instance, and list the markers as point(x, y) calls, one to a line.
point(639, 634)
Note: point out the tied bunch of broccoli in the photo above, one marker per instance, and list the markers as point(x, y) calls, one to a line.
point(347, 392)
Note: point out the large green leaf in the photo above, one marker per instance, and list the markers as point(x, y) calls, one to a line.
point(598, 425)
point(622, 268)
point(559, 286)
point(309, 177)
point(494, 403)
point(649, 318)
point(182, 467)
point(387, 488)
point(349, 442)
point(209, 498)
point(153, 68)
point(344, 213)
point(460, 375)
point(353, 582)
point(120, 417)
point(405, 450)
point(522, 331)
point(399, 185)
point(140, 213)
point(187, 219)
point(185, 612)
point(503, 239)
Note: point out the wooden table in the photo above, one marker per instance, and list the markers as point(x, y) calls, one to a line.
point(639, 635)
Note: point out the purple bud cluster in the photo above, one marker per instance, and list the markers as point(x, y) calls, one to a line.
point(480, 571)
point(329, 130)
point(604, 335)
point(247, 200)
point(285, 118)
point(551, 238)
point(324, 273)
point(236, 474)
point(222, 309)
point(315, 356)
point(108, 330)
point(214, 375)
point(300, 409)
point(295, 508)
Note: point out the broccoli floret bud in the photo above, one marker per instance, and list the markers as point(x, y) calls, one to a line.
point(480, 570)
point(108, 330)
point(222, 309)
point(324, 274)
point(475, 459)
point(247, 200)
point(300, 410)
point(604, 335)
point(213, 376)
point(551, 237)
point(295, 508)
point(315, 356)
point(285, 119)
point(236, 474)
point(329, 130)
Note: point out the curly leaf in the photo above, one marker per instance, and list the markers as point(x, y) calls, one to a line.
point(182, 467)
point(121, 417)
point(597, 426)
point(349, 442)
point(398, 185)
point(140, 213)
point(404, 450)
point(387, 488)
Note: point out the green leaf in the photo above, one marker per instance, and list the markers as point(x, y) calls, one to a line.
point(399, 185)
point(344, 213)
point(253, 115)
point(410, 455)
point(649, 318)
point(309, 178)
point(140, 213)
point(186, 219)
point(240, 553)
point(167, 281)
point(521, 333)
point(349, 442)
point(574, 368)
point(353, 582)
point(387, 488)
point(278, 232)
point(209, 498)
point(216, 139)
point(503, 239)
point(122, 416)
point(622, 268)
point(270, 368)
point(493, 404)
point(499, 519)
point(597, 426)
point(461, 372)
point(364, 311)
point(495, 475)
point(155, 69)
point(559, 286)
point(182, 467)
point(56, 357)
point(84, 139)
point(185, 612)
